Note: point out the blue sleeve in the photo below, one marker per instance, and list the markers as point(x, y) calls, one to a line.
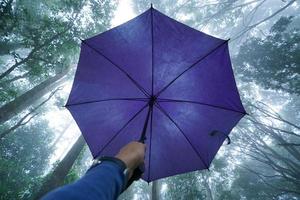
point(104, 181)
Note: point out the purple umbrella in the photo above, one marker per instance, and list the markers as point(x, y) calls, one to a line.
point(159, 81)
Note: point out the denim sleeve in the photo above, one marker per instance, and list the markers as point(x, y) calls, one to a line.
point(105, 181)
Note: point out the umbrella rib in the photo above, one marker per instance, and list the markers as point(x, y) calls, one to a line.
point(152, 55)
point(199, 103)
point(150, 145)
point(112, 99)
point(182, 132)
point(120, 68)
point(124, 126)
point(190, 67)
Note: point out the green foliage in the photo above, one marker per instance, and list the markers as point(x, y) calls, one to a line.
point(46, 35)
point(23, 158)
point(250, 186)
point(78, 169)
point(8, 94)
point(272, 62)
point(71, 177)
point(184, 186)
point(221, 18)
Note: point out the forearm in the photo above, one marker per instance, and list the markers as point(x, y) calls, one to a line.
point(105, 181)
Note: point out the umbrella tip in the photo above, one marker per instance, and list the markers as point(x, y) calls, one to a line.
point(151, 5)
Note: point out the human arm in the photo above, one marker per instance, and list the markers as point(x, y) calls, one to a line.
point(104, 181)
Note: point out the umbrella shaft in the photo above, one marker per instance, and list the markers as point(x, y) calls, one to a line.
point(143, 135)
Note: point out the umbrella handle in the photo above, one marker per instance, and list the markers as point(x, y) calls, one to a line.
point(137, 174)
point(143, 135)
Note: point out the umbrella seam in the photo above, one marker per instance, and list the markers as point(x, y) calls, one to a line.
point(143, 135)
point(199, 103)
point(120, 68)
point(103, 100)
point(190, 67)
point(124, 126)
point(152, 52)
point(177, 126)
point(150, 145)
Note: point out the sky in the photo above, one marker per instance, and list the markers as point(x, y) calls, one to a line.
point(123, 13)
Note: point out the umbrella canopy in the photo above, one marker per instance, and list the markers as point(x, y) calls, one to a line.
point(156, 79)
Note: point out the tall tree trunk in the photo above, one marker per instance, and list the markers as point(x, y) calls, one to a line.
point(61, 134)
point(155, 191)
point(57, 177)
point(30, 97)
point(207, 188)
point(22, 121)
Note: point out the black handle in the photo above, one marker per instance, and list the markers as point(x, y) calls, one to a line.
point(137, 174)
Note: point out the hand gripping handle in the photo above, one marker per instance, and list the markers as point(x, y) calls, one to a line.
point(138, 172)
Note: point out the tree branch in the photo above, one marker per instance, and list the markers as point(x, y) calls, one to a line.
point(22, 121)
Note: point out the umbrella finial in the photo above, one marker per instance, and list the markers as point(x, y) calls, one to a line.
point(151, 5)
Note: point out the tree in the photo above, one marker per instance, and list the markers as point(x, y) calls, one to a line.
point(25, 23)
point(22, 102)
point(44, 38)
point(272, 62)
point(39, 40)
point(26, 118)
point(271, 153)
point(183, 186)
point(57, 177)
point(23, 159)
point(60, 136)
point(227, 19)
point(155, 191)
point(138, 189)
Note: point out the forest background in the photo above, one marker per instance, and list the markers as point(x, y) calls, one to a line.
point(40, 144)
